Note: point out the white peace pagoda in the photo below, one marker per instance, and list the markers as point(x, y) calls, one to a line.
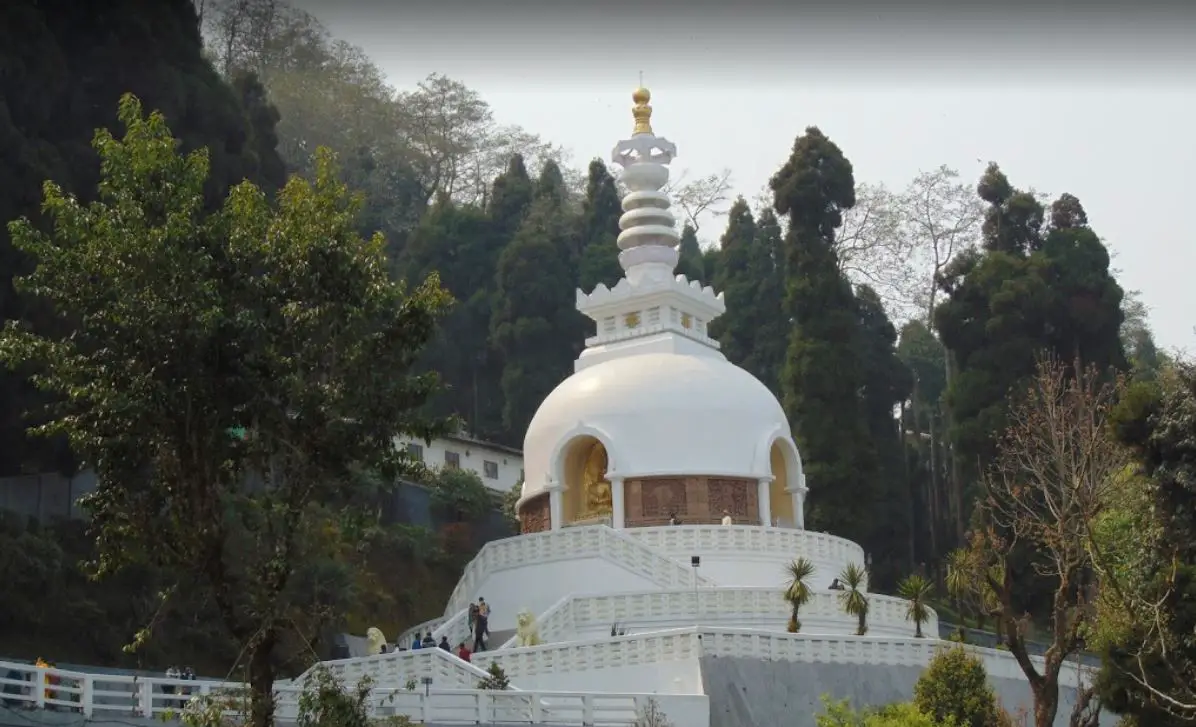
point(601, 607)
point(604, 598)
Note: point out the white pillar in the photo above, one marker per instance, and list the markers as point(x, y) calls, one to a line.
point(799, 503)
point(618, 511)
point(764, 500)
point(556, 510)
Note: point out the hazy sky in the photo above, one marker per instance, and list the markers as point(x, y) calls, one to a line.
point(1091, 100)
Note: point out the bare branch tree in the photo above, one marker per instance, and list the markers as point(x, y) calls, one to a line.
point(704, 195)
point(871, 247)
point(940, 217)
point(1055, 469)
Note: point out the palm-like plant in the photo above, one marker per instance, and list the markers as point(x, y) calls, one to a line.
point(797, 592)
point(853, 600)
point(916, 590)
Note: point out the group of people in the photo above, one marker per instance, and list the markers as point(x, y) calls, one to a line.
point(174, 672)
point(479, 627)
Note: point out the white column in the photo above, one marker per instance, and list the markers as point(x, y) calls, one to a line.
point(764, 500)
point(556, 510)
point(618, 513)
point(799, 503)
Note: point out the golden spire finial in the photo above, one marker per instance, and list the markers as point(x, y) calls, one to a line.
point(642, 111)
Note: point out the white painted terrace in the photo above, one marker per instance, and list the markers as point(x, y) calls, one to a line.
point(672, 656)
point(534, 572)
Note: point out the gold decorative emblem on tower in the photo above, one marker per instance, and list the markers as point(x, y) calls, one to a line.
point(642, 111)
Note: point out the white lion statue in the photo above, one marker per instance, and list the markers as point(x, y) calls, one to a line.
point(527, 630)
point(376, 640)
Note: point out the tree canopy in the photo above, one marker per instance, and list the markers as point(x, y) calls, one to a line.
point(277, 319)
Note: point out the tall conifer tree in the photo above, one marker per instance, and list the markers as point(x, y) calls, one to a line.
point(822, 379)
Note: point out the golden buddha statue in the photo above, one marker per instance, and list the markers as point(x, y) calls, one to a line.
point(595, 486)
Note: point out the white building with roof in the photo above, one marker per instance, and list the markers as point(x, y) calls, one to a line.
point(499, 467)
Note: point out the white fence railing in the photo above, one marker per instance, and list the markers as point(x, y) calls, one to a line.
point(404, 639)
point(455, 628)
point(398, 668)
point(110, 696)
point(684, 540)
point(732, 607)
point(691, 643)
point(597, 541)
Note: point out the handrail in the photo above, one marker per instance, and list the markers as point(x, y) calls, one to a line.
point(705, 606)
point(693, 642)
point(398, 667)
point(562, 610)
point(404, 639)
point(673, 540)
point(124, 695)
point(567, 544)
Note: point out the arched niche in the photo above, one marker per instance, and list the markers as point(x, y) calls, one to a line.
point(585, 466)
point(784, 477)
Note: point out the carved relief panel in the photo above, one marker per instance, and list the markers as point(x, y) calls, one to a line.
point(696, 500)
point(664, 497)
point(535, 516)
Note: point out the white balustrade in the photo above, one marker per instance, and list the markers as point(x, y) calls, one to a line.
point(101, 694)
point(555, 624)
point(110, 696)
point(605, 653)
point(691, 643)
point(681, 541)
point(570, 544)
point(732, 607)
point(399, 668)
point(404, 640)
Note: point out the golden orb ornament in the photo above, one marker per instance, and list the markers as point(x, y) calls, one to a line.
point(642, 111)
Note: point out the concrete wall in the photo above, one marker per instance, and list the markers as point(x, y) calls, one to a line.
point(751, 692)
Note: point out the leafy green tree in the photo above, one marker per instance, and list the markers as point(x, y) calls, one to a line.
point(280, 320)
point(66, 66)
point(599, 229)
point(510, 197)
point(822, 377)
point(886, 383)
point(534, 325)
point(495, 680)
point(1145, 550)
point(1145, 359)
point(1030, 290)
point(797, 592)
point(853, 598)
point(901, 714)
point(955, 687)
point(926, 359)
point(456, 242)
point(767, 357)
point(917, 591)
point(736, 330)
point(690, 261)
point(460, 494)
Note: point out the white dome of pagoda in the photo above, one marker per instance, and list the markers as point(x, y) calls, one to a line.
point(658, 414)
point(655, 425)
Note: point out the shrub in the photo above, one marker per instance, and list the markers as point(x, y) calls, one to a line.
point(460, 495)
point(495, 679)
point(955, 686)
point(650, 715)
point(901, 714)
point(326, 702)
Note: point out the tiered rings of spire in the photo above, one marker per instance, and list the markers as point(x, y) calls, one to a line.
point(649, 237)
